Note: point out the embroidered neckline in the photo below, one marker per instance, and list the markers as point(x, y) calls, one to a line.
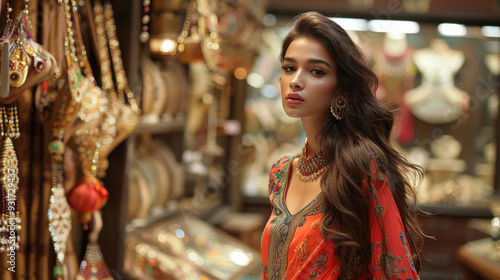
point(286, 174)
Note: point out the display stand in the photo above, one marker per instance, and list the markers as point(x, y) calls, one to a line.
point(474, 266)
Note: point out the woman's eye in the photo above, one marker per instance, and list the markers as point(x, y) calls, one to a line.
point(318, 72)
point(287, 68)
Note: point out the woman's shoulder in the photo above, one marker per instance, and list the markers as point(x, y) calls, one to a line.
point(278, 171)
point(282, 162)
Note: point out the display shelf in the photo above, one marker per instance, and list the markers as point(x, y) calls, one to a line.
point(483, 226)
point(212, 215)
point(457, 210)
point(161, 127)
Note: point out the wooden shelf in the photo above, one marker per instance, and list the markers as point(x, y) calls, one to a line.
point(456, 210)
point(176, 125)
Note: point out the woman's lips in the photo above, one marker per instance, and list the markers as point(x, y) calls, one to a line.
point(294, 98)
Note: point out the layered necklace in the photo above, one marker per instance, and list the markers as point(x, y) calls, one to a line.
point(310, 168)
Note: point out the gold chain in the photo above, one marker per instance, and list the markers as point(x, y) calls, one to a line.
point(69, 40)
point(186, 25)
point(84, 62)
point(114, 46)
point(102, 44)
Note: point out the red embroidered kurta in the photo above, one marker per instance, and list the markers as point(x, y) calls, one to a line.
point(293, 248)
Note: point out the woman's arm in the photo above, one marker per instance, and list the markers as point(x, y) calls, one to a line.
point(387, 231)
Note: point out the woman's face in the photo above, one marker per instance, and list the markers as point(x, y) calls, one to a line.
point(309, 79)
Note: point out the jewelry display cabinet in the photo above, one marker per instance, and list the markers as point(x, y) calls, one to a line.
point(170, 182)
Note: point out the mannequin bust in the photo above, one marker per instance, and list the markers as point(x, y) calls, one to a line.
point(445, 162)
point(444, 168)
point(392, 65)
point(437, 100)
point(395, 44)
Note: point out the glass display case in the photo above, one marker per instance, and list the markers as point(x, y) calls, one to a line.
point(185, 247)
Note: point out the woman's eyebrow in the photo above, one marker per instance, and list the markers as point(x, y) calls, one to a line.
point(309, 61)
point(316, 61)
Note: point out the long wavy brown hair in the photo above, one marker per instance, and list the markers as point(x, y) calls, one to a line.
point(364, 134)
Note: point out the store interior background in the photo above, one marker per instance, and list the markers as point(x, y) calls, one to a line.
point(188, 188)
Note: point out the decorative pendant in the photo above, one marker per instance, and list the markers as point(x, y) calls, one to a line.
point(88, 196)
point(91, 107)
point(309, 169)
point(18, 68)
point(11, 121)
point(93, 266)
point(38, 64)
point(10, 221)
point(59, 212)
point(75, 80)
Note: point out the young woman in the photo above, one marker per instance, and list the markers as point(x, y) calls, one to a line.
point(341, 206)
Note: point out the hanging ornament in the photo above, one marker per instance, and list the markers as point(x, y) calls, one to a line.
point(18, 68)
point(10, 226)
point(59, 212)
point(93, 266)
point(88, 196)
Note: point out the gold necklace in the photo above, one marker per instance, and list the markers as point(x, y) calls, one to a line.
point(310, 168)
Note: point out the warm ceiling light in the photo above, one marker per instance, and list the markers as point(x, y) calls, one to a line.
point(452, 29)
point(355, 24)
point(491, 31)
point(393, 26)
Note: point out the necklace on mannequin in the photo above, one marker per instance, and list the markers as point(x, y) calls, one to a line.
point(310, 168)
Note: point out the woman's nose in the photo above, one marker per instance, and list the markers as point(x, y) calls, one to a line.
point(296, 84)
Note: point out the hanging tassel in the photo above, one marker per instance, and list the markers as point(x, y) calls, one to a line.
point(93, 266)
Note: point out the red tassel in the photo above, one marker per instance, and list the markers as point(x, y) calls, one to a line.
point(88, 196)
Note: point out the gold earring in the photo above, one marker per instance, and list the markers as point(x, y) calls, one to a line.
point(338, 106)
